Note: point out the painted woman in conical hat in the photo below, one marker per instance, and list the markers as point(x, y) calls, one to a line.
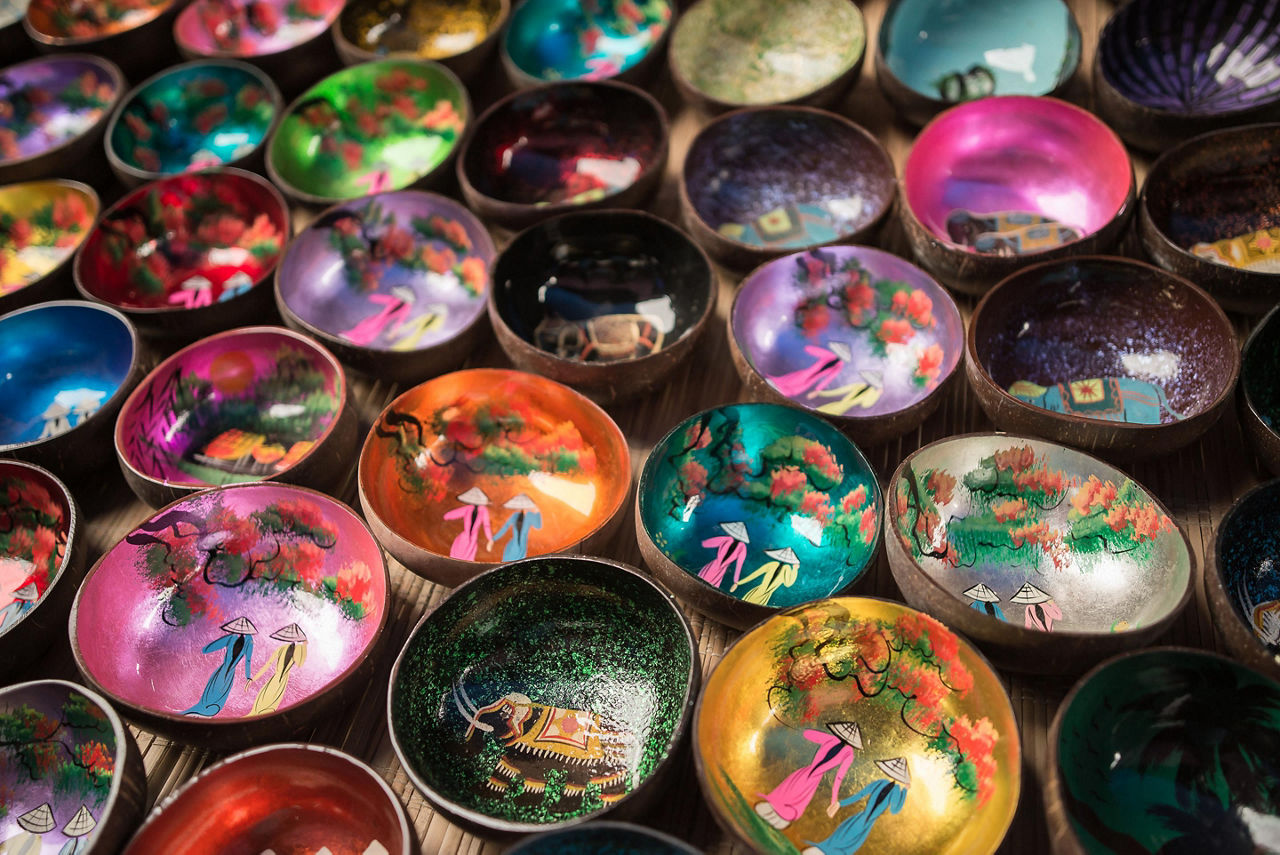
point(524, 518)
point(883, 794)
point(789, 800)
point(778, 572)
point(238, 647)
point(34, 824)
point(23, 600)
point(78, 828)
point(731, 549)
point(289, 655)
point(985, 600)
point(474, 514)
point(1042, 611)
point(827, 364)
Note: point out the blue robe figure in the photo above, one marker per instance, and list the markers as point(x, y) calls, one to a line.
point(238, 643)
point(524, 519)
point(885, 794)
point(23, 599)
point(985, 600)
point(77, 831)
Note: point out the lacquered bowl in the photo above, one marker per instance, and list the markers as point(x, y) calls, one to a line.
point(1165, 750)
point(458, 34)
point(855, 335)
point(41, 224)
point(193, 116)
point(188, 255)
point(563, 147)
point(250, 404)
point(384, 125)
point(608, 302)
point(762, 182)
point(1048, 559)
point(77, 94)
point(1167, 73)
point(752, 53)
point(1208, 212)
point(71, 772)
point(994, 185)
point(234, 616)
point(1107, 354)
point(544, 693)
point(1243, 580)
point(772, 493)
point(931, 54)
point(1258, 399)
point(915, 724)
point(134, 34)
point(280, 798)
point(603, 836)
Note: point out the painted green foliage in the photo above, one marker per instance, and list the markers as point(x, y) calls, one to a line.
point(74, 747)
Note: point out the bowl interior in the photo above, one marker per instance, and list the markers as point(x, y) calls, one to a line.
point(36, 513)
point(602, 288)
point(62, 362)
point(185, 242)
point(73, 94)
point(1258, 378)
point(848, 331)
point(863, 687)
point(543, 691)
point(77, 22)
point(394, 272)
point(41, 224)
point(267, 583)
point(567, 39)
point(1248, 545)
point(429, 29)
point(787, 178)
point(248, 28)
point(596, 837)
point(778, 495)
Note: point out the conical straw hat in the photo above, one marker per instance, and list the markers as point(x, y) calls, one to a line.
point(786, 556)
point(520, 502)
point(848, 731)
point(27, 592)
point(474, 496)
point(241, 625)
point(292, 632)
point(80, 824)
point(896, 768)
point(840, 349)
point(1029, 595)
point(808, 528)
point(38, 820)
point(982, 594)
point(736, 530)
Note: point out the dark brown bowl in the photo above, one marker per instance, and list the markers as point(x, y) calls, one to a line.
point(421, 29)
point(133, 35)
point(45, 221)
point(1242, 579)
point(1107, 354)
point(1258, 399)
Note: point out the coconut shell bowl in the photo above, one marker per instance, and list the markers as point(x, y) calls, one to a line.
point(1258, 400)
point(760, 183)
point(459, 34)
point(913, 720)
point(71, 773)
point(13, 39)
point(1107, 354)
point(134, 34)
point(41, 224)
point(531, 465)
point(1243, 580)
point(772, 493)
point(1165, 750)
point(563, 147)
point(234, 616)
point(289, 798)
point(852, 334)
point(999, 183)
point(608, 302)
point(251, 404)
point(543, 693)
point(617, 838)
point(393, 284)
point(1050, 560)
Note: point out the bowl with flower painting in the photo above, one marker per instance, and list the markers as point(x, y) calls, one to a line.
point(772, 493)
point(563, 147)
point(187, 255)
point(1242, 579)
point(856, 724)
point(1107, 354)
point(623, 838)
point(393, 284)
point(608, 302)
point(234, 616)
point(134, 34)
point(250, 404)
point(383, 125)
point(855, 335)
point(1258, 398)
point(485, 466)
point(459, 34)
point(996, 184)
point(41, 225)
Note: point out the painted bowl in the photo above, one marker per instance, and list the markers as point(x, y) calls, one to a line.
point(543, 693)
point(913, 720)
point(458, 34)
point(564, 147)
point(996, 184)
point(776, 494)
point(1048, 559)
point(187, 255)
point(75, 95)
point(68, 366)
point(609, 302)
point(931, 54)
point(1242, 579)
point(592, 838)
point(70, 770)
point(759, 183)
point(134, 34)
point(751, 53)
point(858, 336)
point(1164, 73)
point(249, 404)
point(1165, 750)
point(1258, 401)
point(222, 595)
point(192, 116)
point(383, 125)
point(1208, 212)
point(1111, 355)
point(41, 225)
point(280, 798)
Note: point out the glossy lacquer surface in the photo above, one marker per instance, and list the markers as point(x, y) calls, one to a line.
point(35, 513)
point(74, 93)
point(566, 39)
point(1248, 549)
point(41, 224)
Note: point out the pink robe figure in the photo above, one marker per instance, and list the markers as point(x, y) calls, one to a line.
point(367, 331)
point(467, 543)
point(825, 368)
point(729, 550)
point(791, 798)
point(1042, 615)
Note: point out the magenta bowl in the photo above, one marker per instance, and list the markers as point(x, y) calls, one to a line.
point(996, 184)
point(234, 616)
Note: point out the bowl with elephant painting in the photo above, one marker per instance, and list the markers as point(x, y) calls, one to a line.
point(622, 838)
point(1258, 398)
point(544, 693)
point(1242, 579)
point(1107, 354)
point(41, 225)
point(234, 616)
point(459, 34)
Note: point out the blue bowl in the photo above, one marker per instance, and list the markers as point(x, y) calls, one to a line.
point(549, 40)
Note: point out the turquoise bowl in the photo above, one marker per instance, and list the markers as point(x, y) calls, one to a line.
point(549, 40)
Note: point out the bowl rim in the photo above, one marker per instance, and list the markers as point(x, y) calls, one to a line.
point(72, 547)
point(96, 208)
point(184, 46)
point(688, 705)
point(519, 72)
point(345, 45)
point(1215, 567)
point(526, 846)
point(49, 40)
point(1272, 317)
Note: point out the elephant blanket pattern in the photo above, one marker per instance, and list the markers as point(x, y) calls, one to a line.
point(1115, 399)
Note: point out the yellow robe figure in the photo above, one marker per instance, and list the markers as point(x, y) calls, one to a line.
point(292, 654)
point(853, 395)
point(781, 572)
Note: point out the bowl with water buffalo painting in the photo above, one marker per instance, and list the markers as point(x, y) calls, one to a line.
point(235, 615)
point(1107, 354)
point(134, 34)
point(1242, 579)
point(621, 838)
point(458, 34)
point(1258, 399)
point(41, 225)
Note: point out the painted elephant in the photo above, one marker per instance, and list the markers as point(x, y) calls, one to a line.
point(1117, 399)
